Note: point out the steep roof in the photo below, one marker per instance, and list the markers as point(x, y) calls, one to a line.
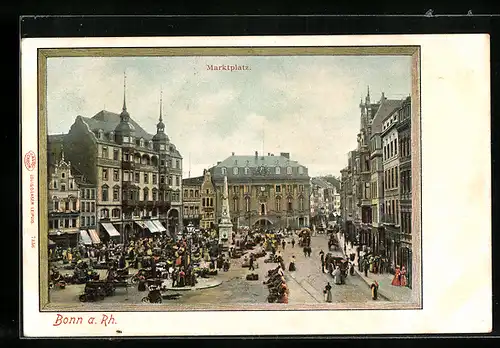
point(332, 180)
point(107, 121)
point(321, 182)
point(386, 108)
point(254, 162)
point(196, 181)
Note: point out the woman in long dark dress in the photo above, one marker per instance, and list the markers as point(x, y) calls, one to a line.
point(328, 292)
point(291, 267)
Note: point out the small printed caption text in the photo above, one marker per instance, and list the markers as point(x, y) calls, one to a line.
point(104, 319)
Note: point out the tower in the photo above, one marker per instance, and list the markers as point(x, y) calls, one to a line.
point(160, 139)
point(225, 225)
point(125, 131)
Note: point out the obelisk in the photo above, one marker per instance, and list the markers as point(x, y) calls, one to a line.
point(225, 225)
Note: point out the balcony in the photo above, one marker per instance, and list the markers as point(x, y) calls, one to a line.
point(128, 165)
point(106, 162)
point(146, 167)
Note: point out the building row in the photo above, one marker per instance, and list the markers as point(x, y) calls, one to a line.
point(265, 191)
point(376, 185)
point(325, 201)
point(124, 181)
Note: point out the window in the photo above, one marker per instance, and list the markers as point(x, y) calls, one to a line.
point(301, 188)
point(247, 170)
point(178, 164)
point(367, 190)
point(104, 196)
point(170, 179)
point(55, 184)
point(235, 204)
point(71, 184)
point(73, 221)
point(115, 213)
point(137, 178)
point(74, 205)
point(92, 207)
point(196, 193)
point(177, 181)
point(145, 194)
point(203, 202)
point(289, 204)
point(185, 193)
point(301, 170)
point(278, 170)
point(211, 202)
point(104, 213)
point(155, 179)
point(155, 195)
point(301, 203)
point(63, 187)
point(162, 179)
point(92, 220)
point(104, 152)
point(278, 188)
point(116, 175)
point(104, 174)
point(62, 175)
point(224, 171)
point(395, 146)
point(116, 154)
point(247, 204)
point(116, 193)
point(126, 157)
point(56, 205)
point(396, 183)
point(146, 178)
point(289, 170)
point(191, 193)
point(278, 205)
point(235, 171)
point(82, 221)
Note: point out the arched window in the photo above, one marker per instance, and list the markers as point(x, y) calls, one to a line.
point(146, 194)
point(247, 170)
point(105, 193)
point(141, 142)
point(115, 213)
point(235, 171)
point(104, 213)
point(224, 171)
point(185, 193)
point(289, 170)
point(203, 202)
point(278, 170)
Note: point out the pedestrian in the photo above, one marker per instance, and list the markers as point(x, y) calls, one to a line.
point(291, 267)
point(365, 266)
point(293, 242)
point(283, 244)
point(251, 267)
point(374, 288)
point(305, 251)
point(337, 275)
point(322, 256)
point(328, 292)
point(403, 276)
point(396, 281)
point(309, 251)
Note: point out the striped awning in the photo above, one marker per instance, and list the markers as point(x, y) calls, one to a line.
point(152, 227)
point(159, 225)
point(85, 237)
point(94, 237)
point(110, 229)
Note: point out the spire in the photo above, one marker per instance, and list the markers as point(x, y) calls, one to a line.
point(368, 95)
point(62, 152)
point(124, 91)
point(161, 103)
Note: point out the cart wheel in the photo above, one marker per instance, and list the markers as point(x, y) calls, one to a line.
point(158, 300)
point(145, 299)
point(134, 280)
point(83, 298)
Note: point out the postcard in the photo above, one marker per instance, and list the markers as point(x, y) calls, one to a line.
point(256, 185)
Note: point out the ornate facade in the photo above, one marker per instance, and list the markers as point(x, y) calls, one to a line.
point(63, 204)
point(191, 200)
point(268, 191)
point(208, 201)
point(138, 176)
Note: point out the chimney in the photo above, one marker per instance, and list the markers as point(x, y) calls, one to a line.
point(269, 154)
point(256, 154)
point(219, 162)
point(232, 154)
point(383, 96)
point(285, 154)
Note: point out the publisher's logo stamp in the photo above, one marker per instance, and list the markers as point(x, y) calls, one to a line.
point(30, 160)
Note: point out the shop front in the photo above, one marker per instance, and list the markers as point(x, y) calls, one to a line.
point(110, 232)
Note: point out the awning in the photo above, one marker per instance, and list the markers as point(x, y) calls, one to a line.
point(85, 237)
point(141, 224)
point(159, 225)
point(110, 229)
point(152, 227)
point(94, 236)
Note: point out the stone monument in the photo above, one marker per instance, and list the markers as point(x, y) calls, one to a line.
point(225, 225)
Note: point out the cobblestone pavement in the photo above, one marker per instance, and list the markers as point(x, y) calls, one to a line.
point(306, 284)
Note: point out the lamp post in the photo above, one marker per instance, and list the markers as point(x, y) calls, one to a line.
point(190, 229)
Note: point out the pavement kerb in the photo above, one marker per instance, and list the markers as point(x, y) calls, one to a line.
point(192, 288)
point(369, 283)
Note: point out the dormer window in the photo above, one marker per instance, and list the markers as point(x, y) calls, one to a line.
point(289, 170)
point(126, 139)
point(111, 136)
point(150, 144)
point(141, 142)
point(162, 147)
point(301, 170)
point(224, 171)
point(100, 134)
point(247, 170)
point(235, 171)
point(278, 170)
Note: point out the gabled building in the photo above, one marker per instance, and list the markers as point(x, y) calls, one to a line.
point(208, 202)
point(378, 242)
point(138, 176)
point(266, 191)
point(63, 204)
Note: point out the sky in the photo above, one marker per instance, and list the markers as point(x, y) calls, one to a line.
point(305, 105)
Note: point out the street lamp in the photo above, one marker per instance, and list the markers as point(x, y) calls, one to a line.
point(190, 230)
